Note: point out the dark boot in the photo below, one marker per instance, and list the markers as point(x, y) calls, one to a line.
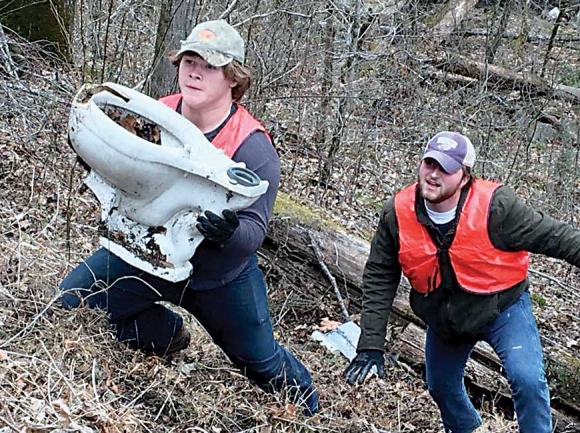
point(179, 342)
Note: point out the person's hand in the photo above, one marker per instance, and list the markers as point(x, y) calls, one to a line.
point(217, 229)
point(362, 364)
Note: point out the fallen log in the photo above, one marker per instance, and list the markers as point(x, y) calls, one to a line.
point(432, 73)
point(528, 38)
point(505, 78)
point(288, 246)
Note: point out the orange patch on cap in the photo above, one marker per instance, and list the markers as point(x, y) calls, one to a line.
point(206, 35)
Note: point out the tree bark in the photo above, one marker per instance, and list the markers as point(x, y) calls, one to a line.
point(563, 6)
point(176, 19)
point(496, 39)
point(288, 245)
point(503, 77)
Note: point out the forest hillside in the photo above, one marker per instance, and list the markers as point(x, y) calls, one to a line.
point(351, 90)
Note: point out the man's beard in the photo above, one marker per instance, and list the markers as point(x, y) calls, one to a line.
point(442, 196)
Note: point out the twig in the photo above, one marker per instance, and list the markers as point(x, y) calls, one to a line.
point(51, 365)
point(94, 379)
point(564, 6)
point(12, 426)
point(129, 405)
point(267, 14)
point(566, 287)
point(283, 311)
point(5, 343)
point(496, 38)
point(329, 275)
point(164, 403)
point(228, 11)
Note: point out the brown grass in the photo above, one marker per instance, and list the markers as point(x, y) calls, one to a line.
point(62, 371)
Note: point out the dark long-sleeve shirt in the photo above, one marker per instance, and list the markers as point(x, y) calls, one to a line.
point(214, 265)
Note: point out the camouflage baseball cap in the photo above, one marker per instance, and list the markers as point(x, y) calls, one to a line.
point(451, 150)
point(216, 42)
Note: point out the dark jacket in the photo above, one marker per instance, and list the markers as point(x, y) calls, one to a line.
point(454, 314)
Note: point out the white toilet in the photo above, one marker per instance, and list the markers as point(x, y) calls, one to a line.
point(151, 194)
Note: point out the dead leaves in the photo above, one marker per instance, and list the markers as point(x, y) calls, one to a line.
point(287, 411)
point(136, 125)
point(129, 122)
point(327, 325)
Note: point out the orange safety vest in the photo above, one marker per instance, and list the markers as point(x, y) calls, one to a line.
point(479, 266)
point(239, 127)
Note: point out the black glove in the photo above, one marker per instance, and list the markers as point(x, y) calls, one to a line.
point(361, 365)
point(217, 229)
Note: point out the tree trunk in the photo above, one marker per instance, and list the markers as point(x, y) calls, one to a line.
point(176, 20)
point(324, 128)
point(289, 245)
point(457, 10)
point(495, 41)
point(45, 21)
point(563, 6)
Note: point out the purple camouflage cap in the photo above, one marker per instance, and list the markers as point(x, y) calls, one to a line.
point(451, 150)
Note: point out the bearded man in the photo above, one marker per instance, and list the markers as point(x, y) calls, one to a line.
point(463, 244)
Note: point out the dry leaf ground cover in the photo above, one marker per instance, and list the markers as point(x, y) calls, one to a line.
point(64, 372)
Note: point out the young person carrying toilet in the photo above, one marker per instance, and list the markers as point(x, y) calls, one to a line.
point(226, 291)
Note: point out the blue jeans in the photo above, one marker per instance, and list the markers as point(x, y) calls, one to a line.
point(514, 337)
point(235, 315)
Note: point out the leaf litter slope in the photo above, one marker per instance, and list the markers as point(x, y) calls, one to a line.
point(63, 371)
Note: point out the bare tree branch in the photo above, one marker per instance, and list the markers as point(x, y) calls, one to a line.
point(229, 10)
